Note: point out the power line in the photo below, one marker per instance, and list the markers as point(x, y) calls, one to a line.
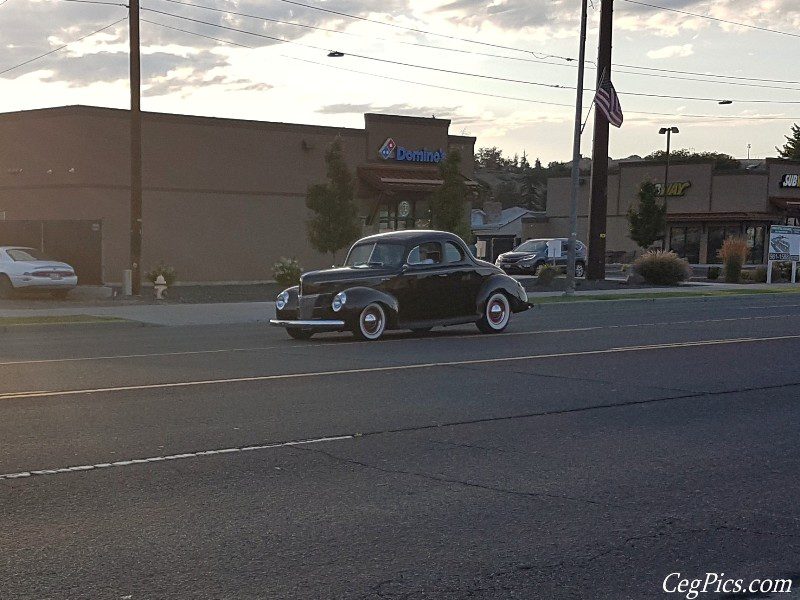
point(465, 73)
point(54, 50)
point(461, 90)
point(710, 18)
point(717, 78)
point(103, 2)
point(442, 35)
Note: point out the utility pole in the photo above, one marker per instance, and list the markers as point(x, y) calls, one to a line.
point(576, 159)
point(136, 148)
point(669, 131)
point(596, 268)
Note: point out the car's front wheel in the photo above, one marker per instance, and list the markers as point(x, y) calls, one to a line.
point(371, 322)
point(580, 269)
point(299, 334)
point(6, 287)
point(496, 314)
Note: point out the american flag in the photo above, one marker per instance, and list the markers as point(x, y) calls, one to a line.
point(606, 100)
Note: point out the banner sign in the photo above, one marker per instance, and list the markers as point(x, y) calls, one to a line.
point(784, 243)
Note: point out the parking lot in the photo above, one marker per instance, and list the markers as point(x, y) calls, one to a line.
point(588, 452)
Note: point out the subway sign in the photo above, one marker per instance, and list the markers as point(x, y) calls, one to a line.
point(790, 180)
point(390, 150)
point(677, 188)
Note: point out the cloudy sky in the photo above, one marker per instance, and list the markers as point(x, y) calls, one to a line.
point(280, 71)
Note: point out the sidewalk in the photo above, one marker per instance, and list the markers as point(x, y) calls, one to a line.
point(260, 312)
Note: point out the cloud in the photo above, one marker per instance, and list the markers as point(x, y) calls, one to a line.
point(441, 112)
point(510, 14)
point(671, 52)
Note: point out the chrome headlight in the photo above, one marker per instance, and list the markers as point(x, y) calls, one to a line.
point(282, 301)
point(338, 301)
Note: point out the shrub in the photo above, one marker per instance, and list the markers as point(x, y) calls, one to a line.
point(733, 255)
point(662, 268)
point(781, 272)
point(746, 277)
point(759, 275)
point(161, 269)
point(713, 273)
point(287, 272)
point(546, 274)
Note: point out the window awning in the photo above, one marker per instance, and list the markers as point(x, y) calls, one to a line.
point(385, 178)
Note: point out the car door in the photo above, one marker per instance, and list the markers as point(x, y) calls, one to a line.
point(463, 281)
point(423, 293)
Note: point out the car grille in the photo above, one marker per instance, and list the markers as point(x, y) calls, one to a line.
point(510, 261)
point(306, 307)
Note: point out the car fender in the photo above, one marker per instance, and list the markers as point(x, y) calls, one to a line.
point(358, 298)
point(518, 297)
point(290, 310)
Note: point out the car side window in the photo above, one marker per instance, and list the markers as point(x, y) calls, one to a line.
point(452, 253)
point(429, 253)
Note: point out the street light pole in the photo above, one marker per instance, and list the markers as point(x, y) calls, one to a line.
point(669, 131)
point(576, 159)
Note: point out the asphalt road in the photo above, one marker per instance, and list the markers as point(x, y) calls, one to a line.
point(589, 452)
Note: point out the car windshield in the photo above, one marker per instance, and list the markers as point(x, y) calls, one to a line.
point(377, 254)
point(532, 246)
point(25, 254)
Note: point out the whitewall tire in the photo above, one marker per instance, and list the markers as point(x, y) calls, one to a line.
point(371, 322)
point(496, 314)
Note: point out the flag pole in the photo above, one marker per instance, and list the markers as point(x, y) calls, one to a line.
point(576, 159)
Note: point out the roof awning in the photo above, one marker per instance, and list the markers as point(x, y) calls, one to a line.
point(404, 179)
point(722, 216)
point(791, 208)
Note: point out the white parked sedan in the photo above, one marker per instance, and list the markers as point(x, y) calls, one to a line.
point(27, 269)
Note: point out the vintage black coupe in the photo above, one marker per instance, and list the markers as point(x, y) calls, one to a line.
point(401, 280)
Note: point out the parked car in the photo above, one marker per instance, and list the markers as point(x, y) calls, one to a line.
point(529, 256)
point(401, 280)
point(27, 269)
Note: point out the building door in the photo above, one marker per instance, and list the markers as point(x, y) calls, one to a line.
point(78, 243)
point(717, 235)
point(500, 245)
point(685, 242)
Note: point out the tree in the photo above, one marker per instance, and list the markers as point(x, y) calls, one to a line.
point(791, 149)
point(334, 224)
point(447, 202)
point(721, 161)
point(647, 223)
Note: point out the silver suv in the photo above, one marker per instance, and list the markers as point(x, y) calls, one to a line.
point(529, 256)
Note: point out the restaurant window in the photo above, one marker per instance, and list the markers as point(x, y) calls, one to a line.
point(685, 242)
point(755, 243)
point(717, 235)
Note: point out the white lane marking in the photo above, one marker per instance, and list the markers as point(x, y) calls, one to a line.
point(336, 343)
point(457, 363)
point(768, 306)
point(141, 461)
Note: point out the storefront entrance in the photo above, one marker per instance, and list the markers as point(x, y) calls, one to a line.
point(700, 243)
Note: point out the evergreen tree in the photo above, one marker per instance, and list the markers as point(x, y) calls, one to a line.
point(334, 224)
point(448, 210)
point(791, 149)
point(647, 223)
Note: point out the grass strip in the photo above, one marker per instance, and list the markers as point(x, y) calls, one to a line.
point(654, 295)
point(56, 320)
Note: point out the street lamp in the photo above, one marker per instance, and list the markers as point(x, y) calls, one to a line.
point(669, 131)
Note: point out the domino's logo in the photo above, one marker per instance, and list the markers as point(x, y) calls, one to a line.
point(387, 150)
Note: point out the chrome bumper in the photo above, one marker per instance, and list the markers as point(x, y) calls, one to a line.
point(315, 324)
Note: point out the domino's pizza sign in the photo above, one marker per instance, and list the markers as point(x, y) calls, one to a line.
point(390, 150)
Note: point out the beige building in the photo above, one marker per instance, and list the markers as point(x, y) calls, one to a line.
point(223, 199)
point(703, 206)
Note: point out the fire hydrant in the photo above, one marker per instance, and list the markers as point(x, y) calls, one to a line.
point(160, 287)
